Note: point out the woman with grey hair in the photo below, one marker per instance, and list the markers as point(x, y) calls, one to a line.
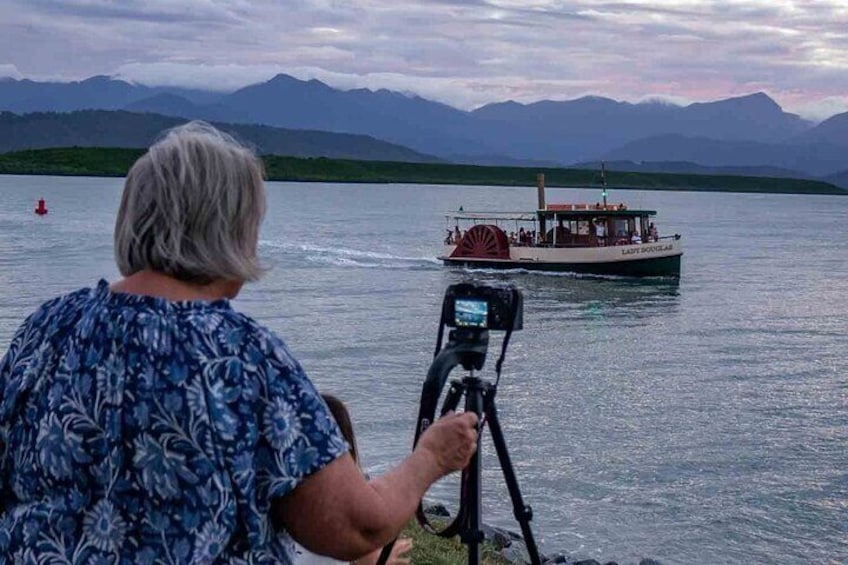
point(146, 421)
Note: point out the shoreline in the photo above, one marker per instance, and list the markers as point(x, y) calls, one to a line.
point(114, 162)
point(499, 546)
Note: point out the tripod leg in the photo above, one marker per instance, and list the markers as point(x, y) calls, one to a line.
point(473, 495)
point(522, 512)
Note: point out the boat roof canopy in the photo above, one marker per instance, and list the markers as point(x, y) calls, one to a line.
point(550, 212)
point(504, 216)
point(594, 212)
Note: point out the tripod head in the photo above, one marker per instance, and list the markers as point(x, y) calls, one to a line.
point(471, 310)
point(466, 347)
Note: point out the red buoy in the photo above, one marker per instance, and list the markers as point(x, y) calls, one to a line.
point(41, 209)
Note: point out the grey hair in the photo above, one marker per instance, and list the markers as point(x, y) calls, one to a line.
point(191, 208)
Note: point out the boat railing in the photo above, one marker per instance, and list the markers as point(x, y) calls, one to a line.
point(570, 207)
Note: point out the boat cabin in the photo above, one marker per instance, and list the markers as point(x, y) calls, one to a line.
point(594, 225)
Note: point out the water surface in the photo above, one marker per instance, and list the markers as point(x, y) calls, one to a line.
point(699, 422)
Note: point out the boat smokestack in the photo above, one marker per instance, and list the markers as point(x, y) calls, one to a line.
point(540, 189)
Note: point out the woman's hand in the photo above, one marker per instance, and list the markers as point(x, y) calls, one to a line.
point(451, 440)
point(399, 556)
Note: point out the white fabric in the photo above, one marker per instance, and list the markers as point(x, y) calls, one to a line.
point(305, 557)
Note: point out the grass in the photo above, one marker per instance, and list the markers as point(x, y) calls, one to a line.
point(434, 550)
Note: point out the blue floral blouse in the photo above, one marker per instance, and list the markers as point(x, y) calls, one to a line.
point(139, 430)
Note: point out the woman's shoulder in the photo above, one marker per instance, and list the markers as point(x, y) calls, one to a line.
point(57, 316)
point(74, 299)
point(60, 311)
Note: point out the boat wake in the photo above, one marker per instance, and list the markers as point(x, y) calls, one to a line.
point(346, 257)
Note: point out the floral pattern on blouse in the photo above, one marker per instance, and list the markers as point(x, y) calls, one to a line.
point(139, 430)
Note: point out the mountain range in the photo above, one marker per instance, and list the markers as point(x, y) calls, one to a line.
point(745, 133)
point(119, 128)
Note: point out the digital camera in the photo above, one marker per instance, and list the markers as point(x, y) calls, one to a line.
point(486, 307)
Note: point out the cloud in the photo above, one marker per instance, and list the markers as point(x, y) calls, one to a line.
point(462, 52)
point(821, 109)
point(160, 11)
point(10, 71)
point(222, 78)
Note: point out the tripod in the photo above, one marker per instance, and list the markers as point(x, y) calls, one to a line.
point(467, 347)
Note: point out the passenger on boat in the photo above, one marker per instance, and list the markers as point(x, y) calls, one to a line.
point(600, 232)
point(456, 235)
point(635, 238)
point(449, 238)
point(512, 239)
point(522, 237)
point(148, 419)
point(652, 230)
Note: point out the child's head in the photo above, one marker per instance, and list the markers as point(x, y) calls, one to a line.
point(342, 417)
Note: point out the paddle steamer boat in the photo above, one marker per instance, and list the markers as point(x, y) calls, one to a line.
point(598, 239)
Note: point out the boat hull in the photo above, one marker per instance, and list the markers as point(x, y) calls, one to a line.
point(640, 260)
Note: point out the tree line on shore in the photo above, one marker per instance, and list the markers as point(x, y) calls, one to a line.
point(113, 161)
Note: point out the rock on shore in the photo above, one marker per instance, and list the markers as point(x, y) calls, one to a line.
point(512, 548)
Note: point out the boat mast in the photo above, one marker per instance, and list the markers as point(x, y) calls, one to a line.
point(604, 182)
point(540, 193)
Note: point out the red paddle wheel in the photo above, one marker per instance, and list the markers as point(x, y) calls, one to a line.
point(483, 242)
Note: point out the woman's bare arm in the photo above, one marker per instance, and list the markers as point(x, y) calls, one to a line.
point(335, 512)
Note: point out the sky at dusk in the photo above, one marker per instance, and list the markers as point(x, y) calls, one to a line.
point(462, 52)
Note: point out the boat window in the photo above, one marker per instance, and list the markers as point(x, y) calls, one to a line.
point(620, 227)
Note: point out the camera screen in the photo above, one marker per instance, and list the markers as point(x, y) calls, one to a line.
point(471, 313)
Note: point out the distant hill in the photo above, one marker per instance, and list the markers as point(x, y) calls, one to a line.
point(101, 128)
point(95, 93)
point(811, 159)
point(560, 132)
point(832, 131)
point(285, 101)
point(688, 167)
point(167, 104)
point(840, 179)
point(290, 103)
point(744, 131)
point(500, 161)
point(591, 126)
point(755, 117)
